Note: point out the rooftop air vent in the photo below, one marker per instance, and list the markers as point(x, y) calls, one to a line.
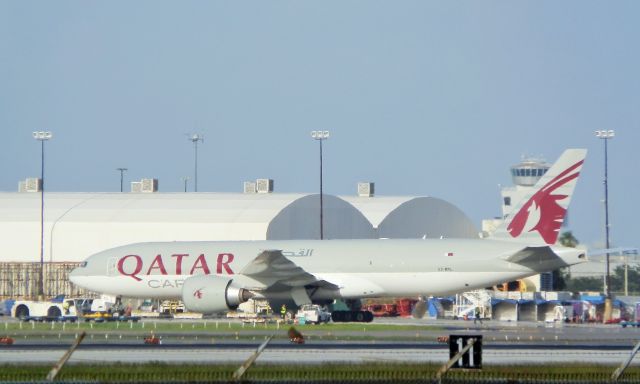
point(264, 185)
point(366, 189)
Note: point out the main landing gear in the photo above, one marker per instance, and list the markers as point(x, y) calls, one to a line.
point(352, 316)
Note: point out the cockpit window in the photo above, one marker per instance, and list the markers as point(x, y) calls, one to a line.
point(83, 264)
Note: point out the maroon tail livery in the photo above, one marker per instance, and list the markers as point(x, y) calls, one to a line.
point(541, 213)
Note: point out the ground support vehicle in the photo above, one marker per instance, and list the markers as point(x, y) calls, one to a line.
point(313, 314)
point(626, 324)
point(27, 310)
point(65, 309)
point(383, 310)
point(168, 307)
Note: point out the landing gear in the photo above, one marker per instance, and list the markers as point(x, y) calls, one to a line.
point(352, 316)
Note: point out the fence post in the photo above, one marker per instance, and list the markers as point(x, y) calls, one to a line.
point(237, 375)
point(56, 368)
point(445, 368)
point(620, 370)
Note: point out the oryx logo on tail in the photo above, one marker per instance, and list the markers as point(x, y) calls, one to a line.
point(542, 212)
point(537, 217)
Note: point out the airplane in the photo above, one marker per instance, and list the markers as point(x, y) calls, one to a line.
point(217, 276)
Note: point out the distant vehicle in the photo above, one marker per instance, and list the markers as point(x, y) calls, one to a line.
point(90, 305)
point(313, 313)
point(171, 306)
point(66, 309)
point(147, 306)
point(213, 277)
point(383, 310)
point(54, 310)
point(5, 307)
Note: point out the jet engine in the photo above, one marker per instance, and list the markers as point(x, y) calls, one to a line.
point(212, 294)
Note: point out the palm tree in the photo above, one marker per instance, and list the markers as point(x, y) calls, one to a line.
point(567, 239)
point(560, 276)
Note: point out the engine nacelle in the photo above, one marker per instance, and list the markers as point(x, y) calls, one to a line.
point(212, 294)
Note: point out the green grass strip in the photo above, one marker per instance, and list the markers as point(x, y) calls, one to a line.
point(368, 371)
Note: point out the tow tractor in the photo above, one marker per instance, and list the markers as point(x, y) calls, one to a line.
point(58, 309)
point(68, 309)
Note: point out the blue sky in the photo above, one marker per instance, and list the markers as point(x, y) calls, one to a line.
point(422, 97)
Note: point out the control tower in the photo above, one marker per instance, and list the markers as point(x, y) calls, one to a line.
point(524, 175)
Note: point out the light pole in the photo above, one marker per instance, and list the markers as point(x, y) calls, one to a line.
point(185, 179)
point(122, 171)
point(605, 136)
point(320, 136)
point(41, 136)
point(194, 138)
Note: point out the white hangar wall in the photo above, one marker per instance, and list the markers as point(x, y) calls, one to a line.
point(80, 224)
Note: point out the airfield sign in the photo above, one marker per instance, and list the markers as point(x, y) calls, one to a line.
point(471, 346)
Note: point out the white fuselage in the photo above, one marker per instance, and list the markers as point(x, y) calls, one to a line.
point(359, 268)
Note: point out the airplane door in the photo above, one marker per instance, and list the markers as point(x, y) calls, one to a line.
point(111, 266)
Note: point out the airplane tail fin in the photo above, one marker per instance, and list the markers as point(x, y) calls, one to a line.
point(537, 218)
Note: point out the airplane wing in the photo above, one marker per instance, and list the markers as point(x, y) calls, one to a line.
point(274, 270)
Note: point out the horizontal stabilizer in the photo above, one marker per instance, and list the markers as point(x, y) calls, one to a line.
point(541, 259)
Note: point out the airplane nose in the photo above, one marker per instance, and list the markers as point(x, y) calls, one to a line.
point(76, 274)
point(73, 275)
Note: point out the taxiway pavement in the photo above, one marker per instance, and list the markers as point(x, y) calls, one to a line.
point(503, 343)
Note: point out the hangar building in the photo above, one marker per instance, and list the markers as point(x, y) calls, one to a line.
point(80, 224)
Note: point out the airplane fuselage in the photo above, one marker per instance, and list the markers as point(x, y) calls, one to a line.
point(359, 268)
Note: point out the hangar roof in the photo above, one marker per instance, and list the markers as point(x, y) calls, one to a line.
point(402, 217)
point(376, 208)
